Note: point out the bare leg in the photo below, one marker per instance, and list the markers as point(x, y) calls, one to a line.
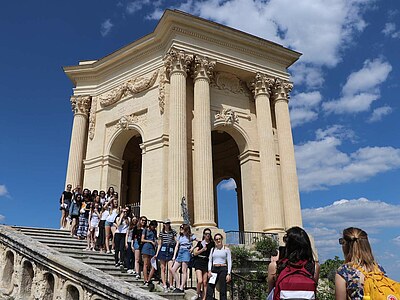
point(174, 270)
point(163, 267)
point(199, 276)
point(170, 273)
point(146, 263)
point(137, 261)
point(108, 232)
point(205, 280)
point(184, 275)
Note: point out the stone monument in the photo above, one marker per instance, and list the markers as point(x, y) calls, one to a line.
point(176, 112)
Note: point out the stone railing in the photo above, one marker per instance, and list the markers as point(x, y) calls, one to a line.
point(31, 270)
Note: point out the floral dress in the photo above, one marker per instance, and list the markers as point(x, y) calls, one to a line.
point(352, 276)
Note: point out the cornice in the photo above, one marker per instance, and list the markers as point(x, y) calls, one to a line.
point(177, 22)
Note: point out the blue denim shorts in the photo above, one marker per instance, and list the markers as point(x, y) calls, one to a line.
point(109, 224)
point(136, 245)
point(183, 255)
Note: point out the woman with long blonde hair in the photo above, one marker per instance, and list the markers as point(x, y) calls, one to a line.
point(349, 279)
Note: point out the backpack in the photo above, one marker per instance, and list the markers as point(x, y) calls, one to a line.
point(295, 282)
point(378, 286)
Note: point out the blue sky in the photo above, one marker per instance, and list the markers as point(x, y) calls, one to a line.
point(344, 107)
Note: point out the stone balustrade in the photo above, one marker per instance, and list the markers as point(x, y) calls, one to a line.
point(31, 270)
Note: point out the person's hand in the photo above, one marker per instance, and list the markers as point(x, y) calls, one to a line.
point(126, 246)
point(209, 274)
point(228, 277)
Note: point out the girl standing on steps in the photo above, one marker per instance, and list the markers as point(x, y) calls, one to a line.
point(182, 256)
point(149, 238)
point(219, 262)
point(74, 212)
point(113, 213)
point(122, 224)
point(65, 202)
point(201, 253)
point(165, 251)
point(94, 219)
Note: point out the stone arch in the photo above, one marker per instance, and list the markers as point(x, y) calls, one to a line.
point(8, 270)
point(120, 138)
point(226, 164)
point(26, 279)
point(238, 133)
point(72, 292)
point(48, 293)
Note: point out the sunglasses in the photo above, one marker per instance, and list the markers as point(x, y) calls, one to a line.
point(285, 238)
point(342, 241)
point(218, 239)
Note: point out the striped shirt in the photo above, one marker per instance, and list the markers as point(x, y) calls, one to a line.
point(167, 237)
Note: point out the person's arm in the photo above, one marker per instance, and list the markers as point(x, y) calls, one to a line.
point(118, 221)
point(271, 275)
point(229, 262)
point(197, 250)
point(158, 247)
point(62, 199)
point(340, 288)
point(316, 273)
point(210, 262)
point(176, 249)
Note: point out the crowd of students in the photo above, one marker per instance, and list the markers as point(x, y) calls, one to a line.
point(135, 242)
point(137, 246)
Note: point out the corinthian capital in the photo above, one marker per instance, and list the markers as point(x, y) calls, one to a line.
point(282, 89)
point(262, 85)
point(203, 67)
point(81, 104)
point(177, 61)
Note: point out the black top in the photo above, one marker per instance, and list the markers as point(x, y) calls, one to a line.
point(206, 253)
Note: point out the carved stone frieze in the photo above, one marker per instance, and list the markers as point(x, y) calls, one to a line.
point(81, 104)
point(125, 121)
point(282, 88)
point(177, 61)
point(131, 87)
point(92, 118)
point(228, 116)
point(203, 67)
point(229, 82)
point(161, 91)
point(262, 84)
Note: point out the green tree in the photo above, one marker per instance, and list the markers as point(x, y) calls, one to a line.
point(329, 267)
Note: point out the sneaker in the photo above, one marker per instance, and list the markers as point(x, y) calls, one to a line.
point(176, 291)
point(130, 271)
point(171, 288)
point(165, 288)
point(108, 252)
point(146, 283)
point(134, 273)
point(137, 276)
point(113, 251)
point(117, 265)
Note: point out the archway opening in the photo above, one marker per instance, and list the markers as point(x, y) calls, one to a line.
point(49, 289)
point(131, 179)
point(26, 279)
point(227, 182)
point(72, 293)
point(8, 270)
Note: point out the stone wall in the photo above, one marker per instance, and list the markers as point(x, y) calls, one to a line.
point(31, 270)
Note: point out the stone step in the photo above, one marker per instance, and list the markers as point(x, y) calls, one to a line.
point(62, 241)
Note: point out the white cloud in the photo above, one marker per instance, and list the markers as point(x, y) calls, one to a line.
point(3, 190)
point(316, 172)
point(361, 88)
point(106, 27)
point(390, 30)
point(379, 113)
point(396, 240)
point(319, 29)
point(2, 218)
point(135, 6)
point(227, 185)
point(304, 107)
point(326, 223)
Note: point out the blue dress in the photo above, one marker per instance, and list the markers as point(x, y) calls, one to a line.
point(148, 248)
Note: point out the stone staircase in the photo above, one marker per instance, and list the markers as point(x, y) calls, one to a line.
point(61, 240)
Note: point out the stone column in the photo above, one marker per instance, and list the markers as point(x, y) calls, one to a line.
point(202, 163)
point(270, 195)
point(77, 149)
point(290, 185)
point(177, 65)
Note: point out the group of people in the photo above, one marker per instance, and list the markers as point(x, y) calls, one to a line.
point(137, 246)
point(134, 241)
point(296, 257)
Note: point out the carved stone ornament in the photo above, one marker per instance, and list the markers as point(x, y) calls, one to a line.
point(262, 85)
point(161, 91)
point(125, 121)
point(228, 116)
point(92, 118)
point(230, 82)
point(131, 87)
point(80, 104)
point(203, 67)
point(177, 61)
point(282, 89)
